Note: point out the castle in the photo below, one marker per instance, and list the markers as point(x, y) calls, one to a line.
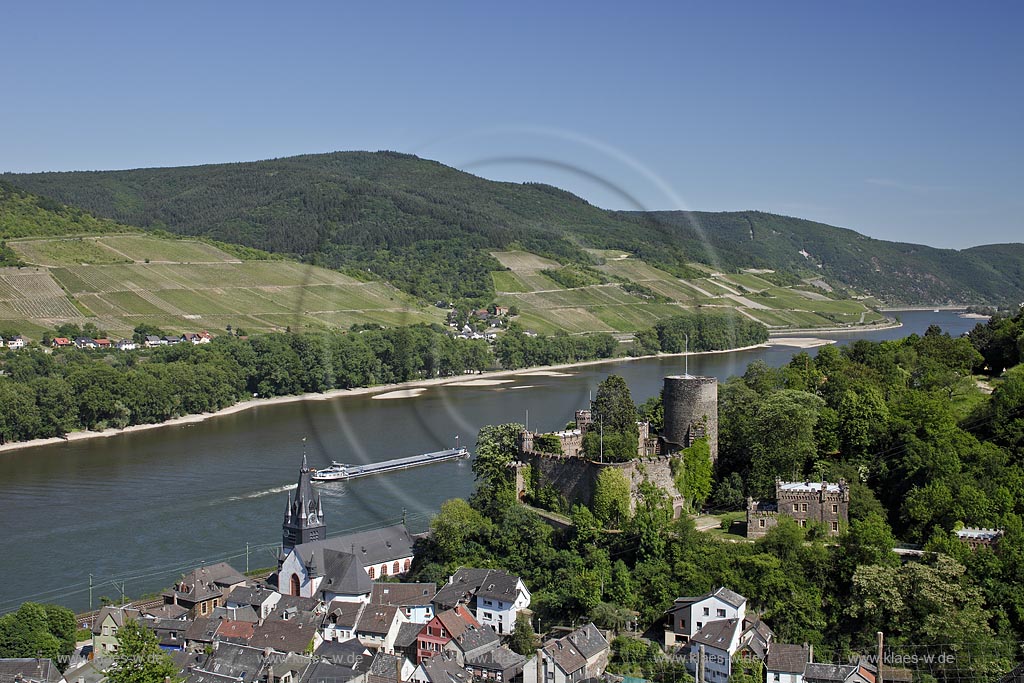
point(691, 413)
point(805, 502)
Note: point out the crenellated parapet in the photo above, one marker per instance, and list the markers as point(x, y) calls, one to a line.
point(827, 503)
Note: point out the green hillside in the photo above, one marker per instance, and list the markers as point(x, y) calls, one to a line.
point(895, 272)
point(75, 268)
point(429, 229)
point(82, 269)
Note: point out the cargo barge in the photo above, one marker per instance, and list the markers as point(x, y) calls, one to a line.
point(343, 472)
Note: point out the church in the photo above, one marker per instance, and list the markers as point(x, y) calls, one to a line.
point(340, 568)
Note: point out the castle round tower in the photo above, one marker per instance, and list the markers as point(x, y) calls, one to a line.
point(691, 411)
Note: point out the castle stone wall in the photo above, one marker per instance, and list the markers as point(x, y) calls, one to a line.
point(691, 411)
point(576, 477)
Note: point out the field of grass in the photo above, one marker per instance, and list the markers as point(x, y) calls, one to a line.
point(524, 260)
point(110, 249)
point(546, 306)
point(120, 281)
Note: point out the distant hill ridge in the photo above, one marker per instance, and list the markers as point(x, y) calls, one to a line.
point(429, 228)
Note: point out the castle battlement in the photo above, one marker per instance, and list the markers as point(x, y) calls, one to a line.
point(819, 501)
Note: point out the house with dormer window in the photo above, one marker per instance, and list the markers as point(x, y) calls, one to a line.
point(495, 597)
point(689, 615)
point(440, 630)
point(581, 655)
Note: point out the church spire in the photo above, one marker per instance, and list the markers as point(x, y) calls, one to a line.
point(304, 519)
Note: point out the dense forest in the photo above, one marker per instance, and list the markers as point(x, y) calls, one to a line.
point(47, 395)
point(903, 421)
point(113, 389)
point(380, 213)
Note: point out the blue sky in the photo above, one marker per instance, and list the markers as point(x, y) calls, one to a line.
point(899, 120)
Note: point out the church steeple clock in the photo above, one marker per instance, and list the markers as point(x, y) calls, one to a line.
point(304, 516)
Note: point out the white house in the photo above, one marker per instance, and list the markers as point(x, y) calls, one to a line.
point(496, 597)
point(261, 600)
point(378, 626)
point(414, 599)
point(721, 640)
point(340, 622)
point(718, 641)
point(16, 342)
point(785, 663)
point(687, 616)
point(125, 345)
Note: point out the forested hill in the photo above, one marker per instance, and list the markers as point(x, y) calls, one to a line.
point(896, 272)
point(23, 214)
point(427, 227)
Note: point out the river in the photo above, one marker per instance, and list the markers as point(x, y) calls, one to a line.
point(142, 508)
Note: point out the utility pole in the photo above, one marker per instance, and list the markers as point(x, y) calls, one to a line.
point(90, 592)
point(700, 664)
point(686, 355)
point(881, 654)
point(247, 558)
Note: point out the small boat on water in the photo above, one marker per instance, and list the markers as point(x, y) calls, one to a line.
point(343, 472)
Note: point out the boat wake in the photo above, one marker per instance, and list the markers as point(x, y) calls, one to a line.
point(260, 494)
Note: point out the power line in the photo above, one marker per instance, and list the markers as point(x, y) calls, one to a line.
point(79, 588)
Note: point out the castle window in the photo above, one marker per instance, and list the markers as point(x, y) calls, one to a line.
point(383, 570)
point(372, 572)
point(835, 509)
point(394, 568)
point(760, 523)
point(796, 507)
point(804, 507)
point(295, 584)
point(835, 526)
point(408, 565)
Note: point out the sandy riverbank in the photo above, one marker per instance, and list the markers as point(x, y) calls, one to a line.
point(870, 327)
point(385, 391)
point(801, 342)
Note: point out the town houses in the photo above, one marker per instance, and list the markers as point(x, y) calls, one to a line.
point(339, 608)
point(17, 342)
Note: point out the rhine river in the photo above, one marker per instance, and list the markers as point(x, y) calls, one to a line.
point(142, 508)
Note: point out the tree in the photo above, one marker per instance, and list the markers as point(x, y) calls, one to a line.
point(785, 422)
point(523, 640)
point(610, 615)
point(36, 630)
point(728, 493)
point(927, 603)
point(693, 474)
point(139, 658)
point(611, 497)
point(455, 525)
point(496, 448)
point(143, 330)
point(614, 407)
point(650, 523)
